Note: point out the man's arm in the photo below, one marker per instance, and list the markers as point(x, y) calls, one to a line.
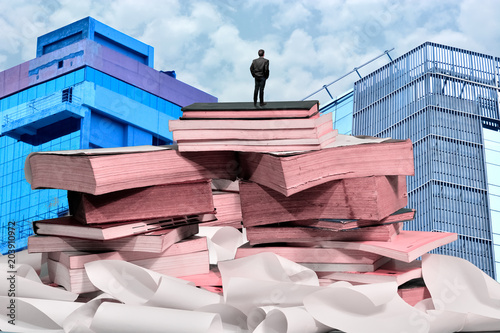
point(266, 69)
point(252, 69)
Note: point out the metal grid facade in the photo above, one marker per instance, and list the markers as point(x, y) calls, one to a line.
point(441, 98)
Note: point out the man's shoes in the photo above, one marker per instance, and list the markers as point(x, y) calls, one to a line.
point(262, 104)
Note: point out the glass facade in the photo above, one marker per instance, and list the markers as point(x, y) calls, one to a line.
point(492, 156)
point(341, 109)
point(20, 204)
point(441, 98)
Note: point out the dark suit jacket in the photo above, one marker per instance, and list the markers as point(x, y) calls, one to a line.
point(260, 67)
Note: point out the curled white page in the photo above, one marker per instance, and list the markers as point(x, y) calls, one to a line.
point(457, 285)
point(265, 279)
point(290, 320)
point(172, 294)
point(124, 281)
point(371, 308)
point(233, 320)
point(79, 320)
point(23, 281)
point(132, 284)
point(222, 242)
point(246, 294)
point(123, 318)
point(58, 311)
point(257, 315)
point(267, 266)
point(21, 316)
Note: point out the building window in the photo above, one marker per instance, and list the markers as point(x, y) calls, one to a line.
point(67, 95)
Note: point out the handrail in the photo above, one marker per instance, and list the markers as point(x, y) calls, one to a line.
point(386, 52)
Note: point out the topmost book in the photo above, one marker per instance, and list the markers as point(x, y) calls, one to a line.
point(99, 171)
point(247, 110)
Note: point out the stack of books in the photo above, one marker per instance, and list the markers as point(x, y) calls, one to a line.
point(278, 126)
point(226, 198)
point(334, 203)
point(118, 209)
point(339, 211)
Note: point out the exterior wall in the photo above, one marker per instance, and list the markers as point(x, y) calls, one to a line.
point(89, 53)
point(440, 97)
point(89, 28)
point(87, 92)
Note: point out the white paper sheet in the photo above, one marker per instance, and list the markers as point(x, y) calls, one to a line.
point(23, 281)
point(458, 286)
point(257, 316)
point(123, 318)
point(79, 321)
point(267, 266)
point(265, 279)
point(124, 281)
point(23, 257)
point(233, 320)
point(132, 284)
point(25, 317)
point(246, 294)
point(371, 308)
point(290, 320)
point(172, 294)
point(222, 242)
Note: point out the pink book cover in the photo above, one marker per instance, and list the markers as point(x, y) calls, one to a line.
point(407, 246)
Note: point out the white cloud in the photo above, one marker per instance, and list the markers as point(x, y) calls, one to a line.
point(291, 14)
point(210, 44)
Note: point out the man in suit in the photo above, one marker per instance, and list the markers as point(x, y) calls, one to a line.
point(260, 72)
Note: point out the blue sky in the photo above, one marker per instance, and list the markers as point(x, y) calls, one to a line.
point(210, 44)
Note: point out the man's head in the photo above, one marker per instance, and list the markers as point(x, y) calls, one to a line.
point(261, 53)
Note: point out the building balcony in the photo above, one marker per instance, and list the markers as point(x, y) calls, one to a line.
point(43, 119)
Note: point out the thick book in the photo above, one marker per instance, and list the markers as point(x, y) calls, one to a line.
point(393, 271)
point(155, 241)
point(152, 202)
point(319, 255)
point(332, 267)
point(347, 157)
point(255, 130)
point(77, 281)
point(68, 226)
point(367, 198)
point(247, 110)
point(250, 124)
point(77, 259)
point(407, 246)
point(294, 234)
point(260, 146)
point(402, 215)
point(102, 170)
point(227, 209)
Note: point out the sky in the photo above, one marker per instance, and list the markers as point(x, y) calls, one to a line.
point(310, 43)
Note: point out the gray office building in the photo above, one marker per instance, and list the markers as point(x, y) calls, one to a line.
point(446, 100)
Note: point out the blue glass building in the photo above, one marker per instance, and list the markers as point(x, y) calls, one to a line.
point(89, 86)
point(446, 100)
point(341, 109)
